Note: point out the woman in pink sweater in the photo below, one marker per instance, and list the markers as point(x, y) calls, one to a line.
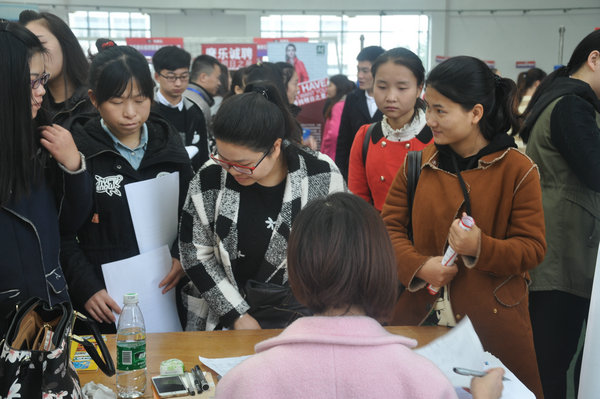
point(341, 265)
point(338, 87)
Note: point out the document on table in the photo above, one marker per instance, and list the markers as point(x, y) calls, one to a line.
point(222, 365)
point(142, 274)
point(461, 347)
point(153, 207)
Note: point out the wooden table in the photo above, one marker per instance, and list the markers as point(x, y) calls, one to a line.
point(186, 346)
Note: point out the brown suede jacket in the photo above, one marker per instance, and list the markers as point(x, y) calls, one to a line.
point(490, 289)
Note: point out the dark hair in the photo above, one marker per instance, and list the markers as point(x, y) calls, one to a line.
point(525, 81)
point(171, 58)
point(340, 255)
point(287, 71)
point(469, 81)
point(19, 144)
point(369, 53)
point(255, 119)
point(203, 64)
point(408, 59)
point(114, 67)
point(224, 78)
point(238, 78)
point(343, 86)
point(267, 72)
point(579, 57)
point(75, 64)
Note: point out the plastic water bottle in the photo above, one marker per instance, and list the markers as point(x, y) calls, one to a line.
point(131, 350)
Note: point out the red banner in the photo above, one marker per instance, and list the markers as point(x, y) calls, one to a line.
point(311, 91)
point(150, 45)
point(233, 56)
point(525, 64)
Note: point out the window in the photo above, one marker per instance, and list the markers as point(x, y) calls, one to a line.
point(91, 25)
point(342, 33)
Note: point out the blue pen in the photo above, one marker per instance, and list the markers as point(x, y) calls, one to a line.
point(472, 373)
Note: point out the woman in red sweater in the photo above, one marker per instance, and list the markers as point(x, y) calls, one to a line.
point(398, 76)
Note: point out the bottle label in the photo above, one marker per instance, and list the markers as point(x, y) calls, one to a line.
point(131, 355)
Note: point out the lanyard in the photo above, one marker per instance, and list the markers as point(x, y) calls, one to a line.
point(199, 93)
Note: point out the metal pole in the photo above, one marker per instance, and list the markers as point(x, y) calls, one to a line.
point(561, 44)
point(362, 41)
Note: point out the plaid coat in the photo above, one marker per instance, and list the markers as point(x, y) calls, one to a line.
point(209, 238)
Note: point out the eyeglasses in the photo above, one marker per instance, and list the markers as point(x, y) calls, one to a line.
point(247, 170)
point(42, 80)
point(173, 78)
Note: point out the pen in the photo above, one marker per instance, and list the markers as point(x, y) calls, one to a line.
point(201, 378)
point(196, 380)
point(472, 373)
point(188, 384)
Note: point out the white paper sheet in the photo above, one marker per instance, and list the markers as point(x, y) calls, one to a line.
point(589, 383)
point(192, 150)
point(461, 347)
point(222, 365)
point(142, 274)
point(153, 207)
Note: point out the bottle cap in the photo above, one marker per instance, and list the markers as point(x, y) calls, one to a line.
point(131, 298)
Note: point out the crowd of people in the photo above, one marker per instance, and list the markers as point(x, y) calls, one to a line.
point(331, 242)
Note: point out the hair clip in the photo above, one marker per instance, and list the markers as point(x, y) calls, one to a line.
point(108, 44)
point(262, 91)
point(497, 79)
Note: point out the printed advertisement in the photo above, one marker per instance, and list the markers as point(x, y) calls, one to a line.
point(233, 56)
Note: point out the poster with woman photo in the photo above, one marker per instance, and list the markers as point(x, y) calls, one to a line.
point(309, 59)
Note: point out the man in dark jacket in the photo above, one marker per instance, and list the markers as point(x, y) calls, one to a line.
point(171, 66)
point(359, 109)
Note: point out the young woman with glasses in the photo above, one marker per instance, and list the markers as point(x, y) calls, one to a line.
point(43, 184)
point(240, 208)
point(124, 144)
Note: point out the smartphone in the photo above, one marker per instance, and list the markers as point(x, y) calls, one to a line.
point(169, 385)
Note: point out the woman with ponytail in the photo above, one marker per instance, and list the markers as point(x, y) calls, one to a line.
point(562, 132)
point(239, 211)
point(474, 169)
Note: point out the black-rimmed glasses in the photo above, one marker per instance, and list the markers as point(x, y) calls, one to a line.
point(41, 80)
point(184, 77)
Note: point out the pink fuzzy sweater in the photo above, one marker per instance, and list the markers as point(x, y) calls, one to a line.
point(336, 357)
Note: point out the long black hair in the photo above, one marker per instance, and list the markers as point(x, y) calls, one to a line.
point(256, 118)
point(18, 170)
point(75, 64)
point(343, 86)
point(579, 57)
point(469, 81)
point(114, 68)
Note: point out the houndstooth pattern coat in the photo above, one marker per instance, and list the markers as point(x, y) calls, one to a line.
point(209, 241)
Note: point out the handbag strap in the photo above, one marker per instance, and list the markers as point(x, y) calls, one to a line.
point(413, 171)
point(105, 363)
point(365, 146)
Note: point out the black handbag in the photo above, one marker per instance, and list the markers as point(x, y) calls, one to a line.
point(273, 305)
point(34, 361)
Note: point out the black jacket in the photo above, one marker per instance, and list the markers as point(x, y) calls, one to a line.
point(195, 129)
point(62, 113)
point(30, 238)
point(354, 115)
point(108, 234)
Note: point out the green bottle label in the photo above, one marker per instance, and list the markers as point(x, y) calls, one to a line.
point(131, 355)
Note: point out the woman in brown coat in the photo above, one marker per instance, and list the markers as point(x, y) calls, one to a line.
point(475, 169)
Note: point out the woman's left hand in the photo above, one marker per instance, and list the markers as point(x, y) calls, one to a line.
point(173, 277)
point(462, 241)
point(59, 142)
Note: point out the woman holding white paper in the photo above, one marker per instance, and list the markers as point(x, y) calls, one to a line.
point(124, 144)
